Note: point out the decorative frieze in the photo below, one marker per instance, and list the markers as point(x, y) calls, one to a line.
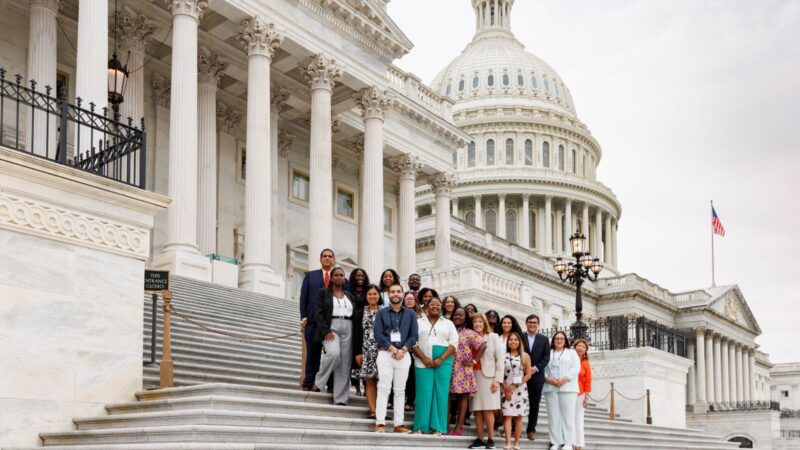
point(259, 38)
point(320, 72)
point(209, 67)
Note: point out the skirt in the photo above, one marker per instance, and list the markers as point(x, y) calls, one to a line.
point(484, 400)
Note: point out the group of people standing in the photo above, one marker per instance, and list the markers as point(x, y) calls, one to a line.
point(416, 351)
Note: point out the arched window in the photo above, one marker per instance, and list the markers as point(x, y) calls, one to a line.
point(471, 155)
point(449, 89)
point(509, 151)
point(511, 225)
point(574, 161)
point(520, 80)
point(490, 152)
point(528, 152)
point(490, 80)
point(546, 154)
point(470, 218)
point(506, 80)
point(492, 15)
point(546, 85)
point(534, 83)
point(476, 82)
point(560, 157)
point(491, 221)
point(532, 229)
point(461, 85)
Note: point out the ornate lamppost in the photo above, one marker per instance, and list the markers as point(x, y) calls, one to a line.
point(584, 268)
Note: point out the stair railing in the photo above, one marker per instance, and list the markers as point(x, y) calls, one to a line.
point(166, 368)
point(612, 415)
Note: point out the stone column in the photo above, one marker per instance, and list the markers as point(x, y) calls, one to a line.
point(209, 71)
point(607, 250)
point(614, 247)
point(739, 375)
point(558, 243)
point(726, 394)
point(710, 362)
point(373, 103)
point(746, 393)
point(751, 370)
point(91, 83)
point(181, 254)
point(525, 222)
point(278, 148)
point(442, 184)
point(134, 32)
point(321, 73)
point(585, 226)
point(598, 236)
point(454, 201)
point(568, 224)
point(700, 348)
point(260, 41)
point(691, 390)
point(548, 225)
point(478, 211)
point(408, 166)
point(732, 369)
point(42, 60)
point(717, 369)
point(501, 216)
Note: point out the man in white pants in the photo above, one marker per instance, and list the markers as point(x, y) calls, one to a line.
point(396, 335)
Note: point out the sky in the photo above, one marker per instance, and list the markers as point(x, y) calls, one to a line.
point(691, 102)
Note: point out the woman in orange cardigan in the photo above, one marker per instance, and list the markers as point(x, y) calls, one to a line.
point(584, 388)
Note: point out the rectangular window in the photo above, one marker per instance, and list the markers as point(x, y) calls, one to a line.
point(345, 203)
point(241, 163)
point(785, 394)
point(387, 219)
point(300, 185)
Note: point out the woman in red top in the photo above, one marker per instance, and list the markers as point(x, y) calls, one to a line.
point(584, 388)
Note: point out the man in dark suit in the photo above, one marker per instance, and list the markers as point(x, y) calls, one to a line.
point(312, 283)
point(537, 347)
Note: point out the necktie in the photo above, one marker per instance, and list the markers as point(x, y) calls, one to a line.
point(327, 278)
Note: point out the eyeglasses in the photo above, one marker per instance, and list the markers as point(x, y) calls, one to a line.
point(559, 339)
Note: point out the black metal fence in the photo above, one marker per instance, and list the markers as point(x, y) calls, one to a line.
point(744, 406)
point(790, 413)
point(35, 121)
point(621, 332)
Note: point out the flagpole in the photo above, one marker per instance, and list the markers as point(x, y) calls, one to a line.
point(713, 280)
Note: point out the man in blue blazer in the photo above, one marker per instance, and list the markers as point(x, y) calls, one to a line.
point(312, 283)
point(537, 346)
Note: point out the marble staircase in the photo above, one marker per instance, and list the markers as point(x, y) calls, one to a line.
point(234, 394)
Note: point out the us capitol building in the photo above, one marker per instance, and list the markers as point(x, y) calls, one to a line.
point(265, 131)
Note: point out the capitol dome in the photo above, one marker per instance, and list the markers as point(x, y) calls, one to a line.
point(495, 65)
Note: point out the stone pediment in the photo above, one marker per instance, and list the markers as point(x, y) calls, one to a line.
point(732, 305)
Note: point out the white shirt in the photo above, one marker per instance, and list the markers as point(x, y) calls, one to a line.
point(555, 363)
point(342, 307)
point(442, 333)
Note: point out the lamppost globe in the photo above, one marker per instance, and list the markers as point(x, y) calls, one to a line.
point(577, 241)
point(559, 265)
point(586, 260)
point(597, 266)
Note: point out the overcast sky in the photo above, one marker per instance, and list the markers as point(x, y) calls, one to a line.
point(690, 101)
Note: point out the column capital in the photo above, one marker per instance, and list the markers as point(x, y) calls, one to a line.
point(443, 182)
point(526, 197)
point(700, 331)
point(407, 164)
point(501, 197)
point(193, 8)
point(373, 102)
point(357, 144)
point(52, 5)
point(478, 197)
point(209, 67)
point(723, 339)
point(320, 72)
point(548, 198)
point(259, 38)
point(228, 119)
point(134, 29)
point(285, 141)
point(161, 90)
point(546, 305)
point(278, 96)
point(568, 201)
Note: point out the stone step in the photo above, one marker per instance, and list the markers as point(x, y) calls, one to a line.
point(232, 319)
point(224, 353)
point(270, 366)
point(200, 373)
point(222, 296)
point(187, 335)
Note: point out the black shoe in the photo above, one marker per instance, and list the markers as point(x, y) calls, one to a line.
point(489, 443)
point(341, 404)
point(477, 443)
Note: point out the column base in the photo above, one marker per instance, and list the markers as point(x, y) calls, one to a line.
point(261, 279)
point(185, 262)
point(700, 407)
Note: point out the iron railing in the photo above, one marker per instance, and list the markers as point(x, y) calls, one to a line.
point(36, 122)
point(756, 405)
point(790, 433)
point(621, 332)
point(790, 413)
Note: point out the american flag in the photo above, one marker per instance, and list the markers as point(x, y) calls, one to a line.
point(716, 224)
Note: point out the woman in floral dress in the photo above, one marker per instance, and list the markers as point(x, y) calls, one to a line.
point(470, 350)
point(515, 388)
point(364, 346)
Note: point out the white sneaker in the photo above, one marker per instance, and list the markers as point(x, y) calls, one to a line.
point(554, 447)
point(566, 447)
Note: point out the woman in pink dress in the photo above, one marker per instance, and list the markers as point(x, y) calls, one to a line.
point(470, 350)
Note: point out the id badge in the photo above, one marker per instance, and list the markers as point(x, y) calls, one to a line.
point(517, 380)
point(395, 336)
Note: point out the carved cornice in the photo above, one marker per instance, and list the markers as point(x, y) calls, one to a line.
point(134, 30)
point(209, 68)
point(259, 38)
point(161, 90)
point(56, 222)
point(193, 8)
point(407, 165)
point(320, 72)
point(373, 102)
point(228, 119)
